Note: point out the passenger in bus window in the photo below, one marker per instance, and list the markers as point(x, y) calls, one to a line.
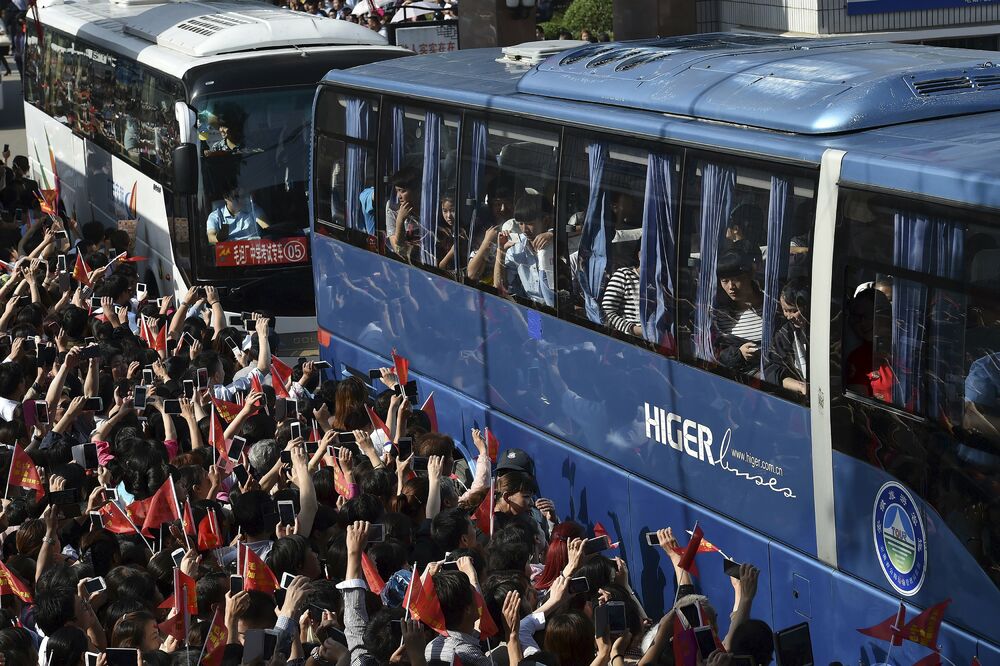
point(520, 267)
point(446, 232)
point(620, 302)
point(230, 126)
point(402, 224)
point(487, 219)
point(787, 362)
point(738, 314)
point(867, 370)
point(238, 218)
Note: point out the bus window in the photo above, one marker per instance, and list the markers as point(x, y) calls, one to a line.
point(422, 172)
point(619, 223)
point(745, 279)
point(346, 131)
point(920, 359)
point(253, 200)
point(505, 165)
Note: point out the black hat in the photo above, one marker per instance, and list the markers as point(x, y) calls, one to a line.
point(733, 263)
point(515, 460)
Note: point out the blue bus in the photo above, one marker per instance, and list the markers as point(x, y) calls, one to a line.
point(741, 280)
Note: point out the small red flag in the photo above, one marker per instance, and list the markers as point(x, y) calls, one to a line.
point(185, 587)
point(372, 576)
point(378, 423)
point(685, 645)
point(483, 515)
point(340, 480)
point(160, 342)
point(890, 629)
point(255, 384)
point(492, 446)
point(924, 628)
point(431, 412)
point(487, 627)
point(281, 374)
point(162, 508)
point(256, 574)
point(137, 510)
point(217, 435)
point(599, 531)
point(115, 520)
point(423, 604)
point(687, 559)
point(24, 474)
point(402, 367)
point(975, 661)
point(174, 626)
point(11, 584)
point(190, 527)
point(209, 535)
point(215, 642)
point(225, 409)
point(81, 271)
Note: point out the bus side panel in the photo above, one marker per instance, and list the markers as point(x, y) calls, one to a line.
point(652, 573)
point(731, 448)
point(951, 571)
point(988, 654)
point(384, 305)
point(43, 134)
point(805, 590)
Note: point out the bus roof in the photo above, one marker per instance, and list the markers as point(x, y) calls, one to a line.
point(946, 150)
point(175, 36)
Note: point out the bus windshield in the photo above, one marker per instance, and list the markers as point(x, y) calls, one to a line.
point(252, 205)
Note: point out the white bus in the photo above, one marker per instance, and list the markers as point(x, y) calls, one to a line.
point(165, 118)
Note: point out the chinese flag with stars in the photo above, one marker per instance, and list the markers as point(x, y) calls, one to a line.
point(81, 271)
point(24, 474)
point(281, 374)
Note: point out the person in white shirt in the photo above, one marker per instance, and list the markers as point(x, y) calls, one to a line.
point(524, 267)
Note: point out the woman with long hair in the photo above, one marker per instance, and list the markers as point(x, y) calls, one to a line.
point(557, 555)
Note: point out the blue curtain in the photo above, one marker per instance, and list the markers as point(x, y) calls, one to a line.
point(717, 185)
point(398, 149)
point(657, 252)
point(932, 247)
point(475, 193)
point(430, 190)
point(776, 265)
point(360, 121)
point(595, 238)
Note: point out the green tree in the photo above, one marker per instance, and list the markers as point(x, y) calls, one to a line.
point(594, 15)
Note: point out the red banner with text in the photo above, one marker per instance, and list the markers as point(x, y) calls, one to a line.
point(262, 252)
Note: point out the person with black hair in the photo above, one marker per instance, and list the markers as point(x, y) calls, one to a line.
point(452, 529)
point(738, 314)
point(523, 269)
point(237, 218)
point(787, 361)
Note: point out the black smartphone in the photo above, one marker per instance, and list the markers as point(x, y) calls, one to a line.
point(617, 622)
point(242, 475)
point(96, 520)
point(376, 533)
point(578, 585)
point(286, 580)
point(90, 658)
point(396, 632)
point(404, 447)
point(294, 430)
point(793, 646)
point(122, 656)
point(29, 343)
point(95, 585)
point(286, 457)
point(316, 612)
point(93, 351)
point(46, 355)
point(147, 376)
point(41, 411)
point(692, 615)
point(93, 404)
point(286, 513)
point(450, 565)
point(419, 464)
point(189, 389)
point(6, 147)
point(63, 234)
point(321, 365)
point(188, 338)
point(235, 584)
point(110, 494)
point(171, 406)
point(596, 545)
point(312, 448)
point(651, 539)
point(705, 637)
point(346, 438)
point(374, 376)
point(95, 302)
point(139, 397)
point(410, 390)
point(232, 345)
point(731, 568)
point(236, 448)
point(85, 455)
point(68, 496)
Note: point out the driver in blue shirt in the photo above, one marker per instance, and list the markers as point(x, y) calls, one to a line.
point(237, 219)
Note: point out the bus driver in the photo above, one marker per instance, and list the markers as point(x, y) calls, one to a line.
point(237, 219)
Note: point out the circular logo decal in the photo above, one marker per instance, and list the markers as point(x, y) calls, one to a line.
point(295, 251)
point(899, 538)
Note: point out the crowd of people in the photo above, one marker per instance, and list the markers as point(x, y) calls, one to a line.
point(177, 495)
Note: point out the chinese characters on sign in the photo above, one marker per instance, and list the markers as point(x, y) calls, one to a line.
point(428, 39)
point(262, 252)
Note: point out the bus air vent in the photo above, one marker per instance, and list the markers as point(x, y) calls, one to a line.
point(987, 81)
point(212, 23)
point(614, 55)
point(942, 86)
point(644, 59)
point(584, 53)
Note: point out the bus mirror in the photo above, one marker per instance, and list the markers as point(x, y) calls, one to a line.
point(186, 169)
